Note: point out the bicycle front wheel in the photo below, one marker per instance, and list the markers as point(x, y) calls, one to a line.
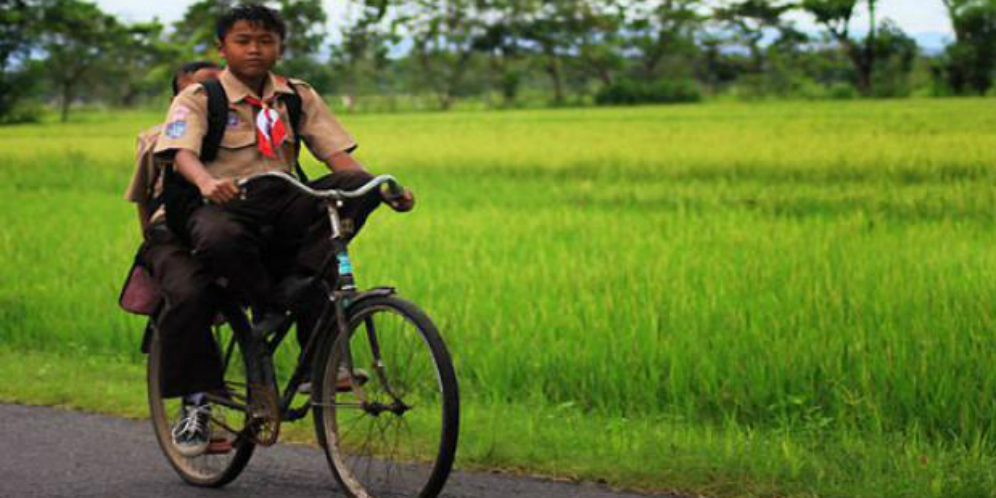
point(230, 448)
point(386, 404)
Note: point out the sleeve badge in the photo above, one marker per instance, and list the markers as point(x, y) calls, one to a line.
point(176, 129)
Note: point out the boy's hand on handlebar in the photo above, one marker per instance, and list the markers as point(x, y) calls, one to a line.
point(401, 203)
point(219, 191)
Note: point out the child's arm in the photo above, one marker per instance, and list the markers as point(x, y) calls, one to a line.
point(140, 186)
point(183, 134)
point(343, 161)
point(190, 166)
point(330, 143)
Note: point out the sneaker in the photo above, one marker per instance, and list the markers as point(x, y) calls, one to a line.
point(192, 433)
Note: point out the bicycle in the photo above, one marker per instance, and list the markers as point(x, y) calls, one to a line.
point(384, 399)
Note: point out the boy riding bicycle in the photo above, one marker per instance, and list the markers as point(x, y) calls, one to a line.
point(256, 238)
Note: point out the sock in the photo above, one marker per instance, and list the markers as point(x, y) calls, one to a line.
point(195, 399)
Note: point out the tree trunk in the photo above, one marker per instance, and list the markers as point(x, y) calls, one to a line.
point(67, 99)
point(455, 79)
point(756, 53)
point(604, 75)
point(555, 71)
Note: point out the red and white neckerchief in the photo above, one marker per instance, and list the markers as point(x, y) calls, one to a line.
point(270, 131)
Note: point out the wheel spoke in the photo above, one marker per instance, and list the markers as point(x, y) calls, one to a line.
point(382, 440)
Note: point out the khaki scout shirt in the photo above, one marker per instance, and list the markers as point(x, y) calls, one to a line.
point(238, 156)
point(146, 182)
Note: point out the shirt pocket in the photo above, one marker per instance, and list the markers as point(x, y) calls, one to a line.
point(238, 138)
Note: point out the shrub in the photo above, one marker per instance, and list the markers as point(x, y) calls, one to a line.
point(629, 92)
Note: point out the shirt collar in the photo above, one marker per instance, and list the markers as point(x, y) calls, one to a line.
point(236, 90)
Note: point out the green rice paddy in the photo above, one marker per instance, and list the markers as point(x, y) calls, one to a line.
point(728, 299)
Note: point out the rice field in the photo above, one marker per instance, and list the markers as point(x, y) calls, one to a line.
point(790, 268)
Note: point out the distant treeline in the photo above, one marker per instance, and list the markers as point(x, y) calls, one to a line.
point(507, 53)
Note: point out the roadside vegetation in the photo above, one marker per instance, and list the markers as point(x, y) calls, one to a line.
point(777, 299)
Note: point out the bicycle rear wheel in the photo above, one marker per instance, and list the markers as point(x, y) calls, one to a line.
point(231, 447)
point(394, 432)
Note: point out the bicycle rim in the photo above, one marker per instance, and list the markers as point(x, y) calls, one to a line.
point(217, 467)
point(395, 434)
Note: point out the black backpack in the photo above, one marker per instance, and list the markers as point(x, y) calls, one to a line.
point(180, 197)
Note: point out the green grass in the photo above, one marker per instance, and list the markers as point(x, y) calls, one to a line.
point(731, 299)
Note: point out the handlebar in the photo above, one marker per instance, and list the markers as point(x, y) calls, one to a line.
point(394, 188)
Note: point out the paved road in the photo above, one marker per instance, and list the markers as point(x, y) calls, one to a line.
point(47, 452)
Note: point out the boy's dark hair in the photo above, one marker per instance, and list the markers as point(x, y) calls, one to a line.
point(254, 14)
point(190, 68)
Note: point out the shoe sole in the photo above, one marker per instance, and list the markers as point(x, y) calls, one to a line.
point(191, 452)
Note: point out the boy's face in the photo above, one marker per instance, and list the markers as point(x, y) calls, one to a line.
point(250, 49)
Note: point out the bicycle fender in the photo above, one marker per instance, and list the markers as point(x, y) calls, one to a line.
point(371, 293)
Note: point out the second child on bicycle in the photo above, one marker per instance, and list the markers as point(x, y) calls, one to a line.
point(256, 238)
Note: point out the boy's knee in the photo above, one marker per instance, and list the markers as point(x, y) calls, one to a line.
point(215, 236)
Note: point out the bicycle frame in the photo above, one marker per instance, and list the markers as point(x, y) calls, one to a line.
point(260, 350)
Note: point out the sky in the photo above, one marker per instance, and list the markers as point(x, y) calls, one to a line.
point(926, 20)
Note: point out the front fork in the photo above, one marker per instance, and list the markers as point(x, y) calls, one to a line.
point(342, 297)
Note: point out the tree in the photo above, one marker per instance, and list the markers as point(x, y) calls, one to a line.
point(751, 20)
point(895, 54)
point(75, 36)
point(139, 63)
point(836, 16)
point(196, 30)
point(664, 31)
point(574, 38)
point(501, 43)
point(971, 59)
point(546, 27)
point(444, 35)
point(18, 24)
point(362, 56)
point(597, 26)
point(306, 34)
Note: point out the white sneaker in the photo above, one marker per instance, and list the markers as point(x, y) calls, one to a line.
point(192, 433)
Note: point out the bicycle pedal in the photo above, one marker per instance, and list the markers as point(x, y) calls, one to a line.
point(219, 447)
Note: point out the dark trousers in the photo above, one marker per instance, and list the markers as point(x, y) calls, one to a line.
point(252, 243)
point(274, 232)
point(191, 362)
point(230, 241)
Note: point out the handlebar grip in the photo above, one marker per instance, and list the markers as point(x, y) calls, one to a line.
point(392, 190)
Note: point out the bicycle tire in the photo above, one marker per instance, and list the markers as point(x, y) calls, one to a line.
point(417, 366)
point(211, 470)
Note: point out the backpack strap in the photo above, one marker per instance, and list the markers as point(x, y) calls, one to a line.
point(217, 118)
point(294, 105)
point(180, 197)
